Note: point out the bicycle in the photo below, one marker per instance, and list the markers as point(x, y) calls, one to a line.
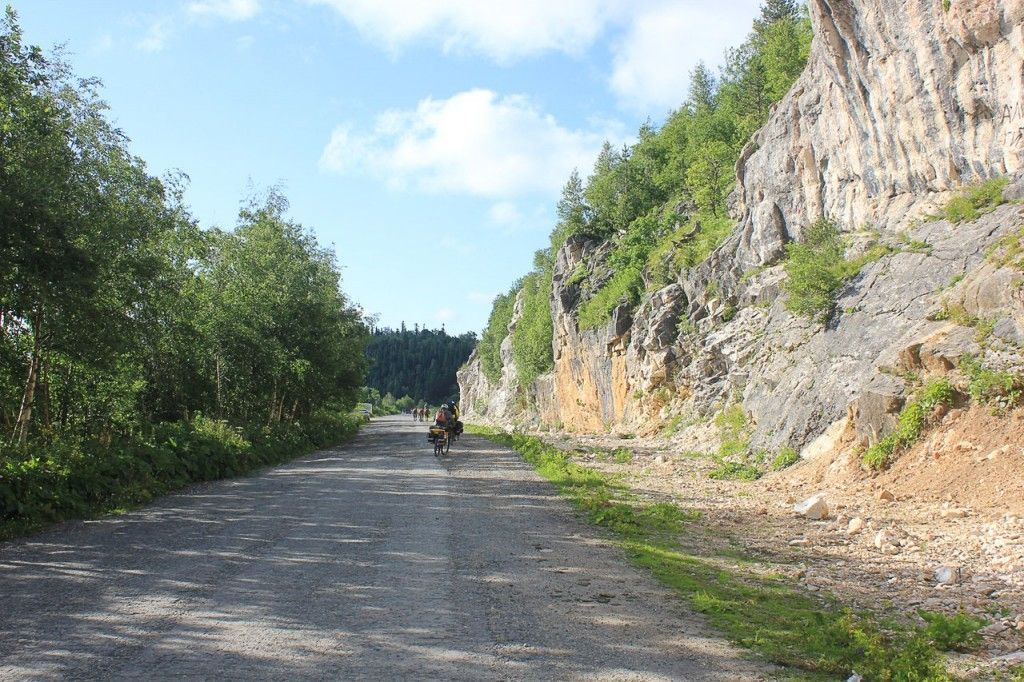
point(441, 439)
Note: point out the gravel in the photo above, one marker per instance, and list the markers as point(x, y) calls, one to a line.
point(371, 560)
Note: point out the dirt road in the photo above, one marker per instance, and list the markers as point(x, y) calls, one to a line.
point(373, 560)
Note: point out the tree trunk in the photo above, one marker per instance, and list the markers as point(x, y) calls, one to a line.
point(220, 405)
point(28, 396)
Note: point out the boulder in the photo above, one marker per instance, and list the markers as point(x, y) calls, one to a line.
point(813, 508)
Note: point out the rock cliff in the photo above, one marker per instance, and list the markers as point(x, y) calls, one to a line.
point(901, 104)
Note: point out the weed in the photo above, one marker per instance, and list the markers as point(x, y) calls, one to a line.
point(975, 201)
point(1008, 251)
point(910, 423)
point(786, 457)
point(622, 455)
point(990, 386)
point(959, 633)
point(672, 426)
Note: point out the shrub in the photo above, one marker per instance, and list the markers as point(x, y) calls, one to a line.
point(815, 272)
point(786, 457)
point(817, 269)
point(910, 423)
point(976, 201)
point(625, 286)
point(71, 478)
point(959, 633)
point(987, 385)
point(622, 455)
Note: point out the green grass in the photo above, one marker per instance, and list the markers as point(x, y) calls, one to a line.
point(622, 455)
point(990, 386)
point(910, 423)
point(975, 201)
point(1008, 251)
point(625, 286)
point(769, 615)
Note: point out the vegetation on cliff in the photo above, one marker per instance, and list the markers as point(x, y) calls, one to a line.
point(660, 202)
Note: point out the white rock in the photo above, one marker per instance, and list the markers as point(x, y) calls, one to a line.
point(855, 526)
point(813, 508)
point(1015, 657)
point(880, 539)
point(944, 575)
point(798, 542)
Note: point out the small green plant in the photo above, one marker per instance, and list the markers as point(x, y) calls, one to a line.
point(728, 312)
point(914, 245)
point(786, 457)
point(957, 633)
point(910, 423)
point(976, 201)
point(672, 426)
point(1008, 251)
point(622, 455)
point(735, 471)
point(989, 386)
point(946, 4)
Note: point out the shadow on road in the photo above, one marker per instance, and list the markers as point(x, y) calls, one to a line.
point(371, 560)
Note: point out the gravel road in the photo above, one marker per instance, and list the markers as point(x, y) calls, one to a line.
point(372, 560)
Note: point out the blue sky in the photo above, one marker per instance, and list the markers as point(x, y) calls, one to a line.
point(427, 141)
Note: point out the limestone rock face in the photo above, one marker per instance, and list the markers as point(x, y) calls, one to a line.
point(900, 103)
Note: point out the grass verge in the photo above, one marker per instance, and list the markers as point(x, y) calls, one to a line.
point(813, 635)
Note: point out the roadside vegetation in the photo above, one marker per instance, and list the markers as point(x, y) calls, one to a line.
point(767, 614)
point(658, 203)
point(910, 423)
point(139, 352)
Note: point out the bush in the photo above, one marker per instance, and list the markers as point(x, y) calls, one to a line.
point(816, 271)
point(976, 201)
point(71, 478)
point(959, 633)
point(625, 286)
point(786, 457)
point(987, 385)
point(909, 424)
point(622, 455)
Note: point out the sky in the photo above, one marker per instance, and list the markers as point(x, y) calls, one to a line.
point(427, 141)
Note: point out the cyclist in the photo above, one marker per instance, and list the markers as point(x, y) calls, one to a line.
point(454, 409)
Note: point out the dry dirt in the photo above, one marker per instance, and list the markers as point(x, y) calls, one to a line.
point(957, 503)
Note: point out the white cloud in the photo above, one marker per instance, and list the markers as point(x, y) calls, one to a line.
point(663, 43)
point(505, 213)
point(500, 30)
point(475, 142)
point(445, 315)
point(231, 10)
point(155, 38)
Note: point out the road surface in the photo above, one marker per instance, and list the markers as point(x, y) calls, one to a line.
point(374, 560)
